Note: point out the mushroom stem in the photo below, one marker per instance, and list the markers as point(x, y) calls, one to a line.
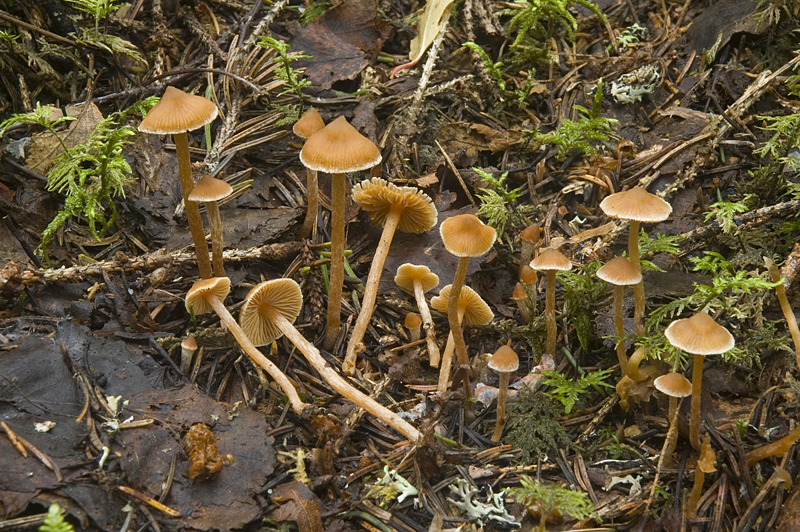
point(215, 224)
point(312, 204)
point(672, 433)
point(705, 460)
point(453, 316)
point(447, 357)
point(338, 382)
point(371, 289)
point(550, 312)
point(338, 206)
point(192, 208)
point(501, 407)
point(638, 288)
point(619, 330)
point(697, 383)
point(777, 448)
point(788, 313)
point(427, 324)
point(256, 356)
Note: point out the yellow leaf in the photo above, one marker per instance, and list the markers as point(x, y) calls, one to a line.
point(429, 25)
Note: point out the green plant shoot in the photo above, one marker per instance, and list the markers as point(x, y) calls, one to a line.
point(568, 391)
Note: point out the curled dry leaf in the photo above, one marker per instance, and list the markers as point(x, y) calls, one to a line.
point(429, 26)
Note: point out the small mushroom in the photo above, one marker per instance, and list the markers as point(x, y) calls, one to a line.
point(403, 208)
point(206, 296)
point(520, 297)
point(505, 362)
point(706, 463)
point(786, 308)
point(776, 448)
point(529, 239)
point(675, 386)
point(419, 279)
point(177, 113)
point(413, 323)
point(211, 190)
point(551, 260)
point(620, 273)
point(310, 123)
point(188, 347)
point(268, 313)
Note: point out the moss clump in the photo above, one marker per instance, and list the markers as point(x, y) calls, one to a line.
point(533, 426)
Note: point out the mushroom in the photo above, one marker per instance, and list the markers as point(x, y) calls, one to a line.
point(188, 347)
point(418, 280)
point(505, 362)
point(268, 313)
point(520, 297)
point(471, 310)
point(309, 123)
point(177, 113)
point(207, 295)
point(776, 448)
point(464, 236)
point(636, 205)
point(403, 208)
point(211, 190)
point(705, 464)
point(529, 239)
point(699, 335)
point(786, 308)
point(338, 149)
point(413, 323)
point(551, 260)
point(675, 386)
point(637, 373)
point(620, 273)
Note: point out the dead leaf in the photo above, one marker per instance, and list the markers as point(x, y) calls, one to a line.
point(45, 146)
point(297, 503)
point(427, 180)
point(429, 25)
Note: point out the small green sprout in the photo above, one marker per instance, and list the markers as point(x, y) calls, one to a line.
point(55, 522)
point(498, 204)
point(724, 211)
point(569, 391)
point(548, 499)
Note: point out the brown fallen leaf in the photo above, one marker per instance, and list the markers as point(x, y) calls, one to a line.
point(297, 503)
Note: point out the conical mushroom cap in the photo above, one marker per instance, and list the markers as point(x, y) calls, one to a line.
point(196, 301)
point(551, 259)
point(339, 148)
point(279, 295)
point(407, 273)
point(465, 235)
point(178, 112)
point(619, 272)
point(378, 197)
point(674, 385)
point(476, 311)
point(311, 122)
point(519, 293)
point(700, 335)
point(636, 204)
point(504, 360)
point(210, 189)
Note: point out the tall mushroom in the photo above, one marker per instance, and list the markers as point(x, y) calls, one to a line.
point(310, 123)
point(675, 386)
point(419, 279)
point(207, 295)
point(699, 335)
point(470, 310)
point(403, 208)
point(620, 273)
point(211, 190)
point(636, 205)
point(551, 260)
point(464, 236)
point(505, 362)
point(338, 149)
point(177, 113)
point(268, 313)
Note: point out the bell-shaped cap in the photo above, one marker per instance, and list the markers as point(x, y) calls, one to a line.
point(197, 296)
point(378, 197)
point(551, 259)
point(636, 204)
point(519, 293)
point(465, 235)
point(619, 272)
point(504, 360)
point(339, 148)
point(476, 311)
point(700, 335)
point(178, 112)
point(311, 122)
point(281, 296)
point(412, 321)
point(527, 275)
point(530, 234)
point(674, 385)
point(408, 273)
point(210, 189)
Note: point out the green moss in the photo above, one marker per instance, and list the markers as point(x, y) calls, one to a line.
point(533, 426)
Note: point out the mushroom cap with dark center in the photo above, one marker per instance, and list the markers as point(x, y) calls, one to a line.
point(407, 273)
point(210, 189)
point(465, 235)
point(282, 296)
point(636, 204)
point(378, 196)
point(311, 122)
point(700, 335)
point(339, 148)
point(551, 259)
point(674, 385)
point(196, 302)
point(504, 360)
point(476, 311)
point(619, 272)
point(178, 112)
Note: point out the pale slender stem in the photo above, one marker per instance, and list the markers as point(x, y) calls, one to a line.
point(501, 407)
point(338, 382)
point(452, 311)
point(788, 313)
point(355, 345)
point(338, 206)
point(312, 201)
point(447, 357)
point(697, 383)
point(256, 356)
point(694, 495)
point(217, 240)
point(192, 208)
point(619, 330)
point(638, 288)
point(524, 313)
point(427, 324)
point(550, 312)
point(672, 433)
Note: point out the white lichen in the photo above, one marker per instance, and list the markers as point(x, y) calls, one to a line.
point(632, 86)
point(493, 509)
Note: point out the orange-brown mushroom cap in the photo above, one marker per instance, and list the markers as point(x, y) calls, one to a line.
point(210, 189)
point(700, 335)
point(282, 296)
point(619, 272)
point(504, 360)
point(178, 112)
point(378, 196)
point(530, 234)
point(527, 274)
point(465, 235)
point(476, 311)
point(407, 273)
point(339, 148)
point(551, 259)
point(412, 321)
point(311, 122)
point(196, 302)
point(674, 385)
point(519, 293)
point(636, 204)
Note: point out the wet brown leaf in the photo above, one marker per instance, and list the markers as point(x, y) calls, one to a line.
point(297, 503)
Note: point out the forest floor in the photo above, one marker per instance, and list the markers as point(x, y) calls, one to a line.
point(696, 104)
